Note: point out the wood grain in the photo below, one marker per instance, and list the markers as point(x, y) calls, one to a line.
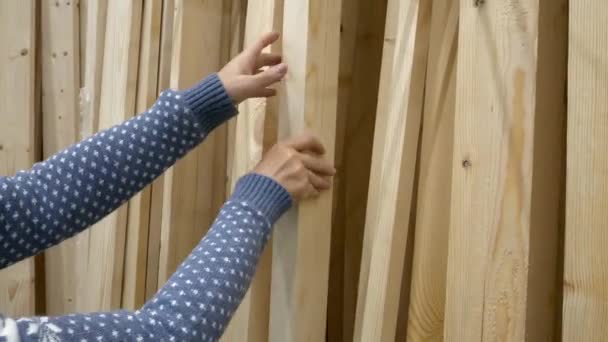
point(391, 183)
point(134, 284)
point(195, 187)
point(585, 261)
point(300, 266)
point(60, 54)
point(427, 297)
point(117, 104)
point(501, 233)
point(255, 132)
point(17, 132)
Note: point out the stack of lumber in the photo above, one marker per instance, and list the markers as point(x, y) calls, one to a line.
point(471, 197)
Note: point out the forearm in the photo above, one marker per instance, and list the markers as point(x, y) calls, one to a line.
point(200, 298)
point(77, 187)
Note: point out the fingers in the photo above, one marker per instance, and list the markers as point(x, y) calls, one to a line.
point(318, 182)
point(317, 165)
point(268, 59)
point(264, 41)
point(306, 142)
point(269, 76)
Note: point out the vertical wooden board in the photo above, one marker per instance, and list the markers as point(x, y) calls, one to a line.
point(156, 194)
point(495, 198)
point(195, 187)
point(394, 159)
point(117, 103)
point(427, 297)
point(92, 63)
point(300, 265)
point(138, 221)
point(60, 54)
point(585, 272)
point(362, 39)
point(17, 139)
point(255, 132)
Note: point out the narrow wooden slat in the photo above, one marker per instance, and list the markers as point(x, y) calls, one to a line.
point(300, 265)
point(393, 171)
point(256, 131)
point(362, 38)
point(60, 98)
point(192, 194)
point(585, 261)
point(92, 63)
point(505, 218)
point(17, 139)
point(117, 103)
point(156, 195)
point(138, 221)
point(427, 298)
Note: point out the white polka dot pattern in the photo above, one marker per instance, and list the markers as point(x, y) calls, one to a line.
point(70, 191)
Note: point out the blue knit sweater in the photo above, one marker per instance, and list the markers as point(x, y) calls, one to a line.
point(77, 187)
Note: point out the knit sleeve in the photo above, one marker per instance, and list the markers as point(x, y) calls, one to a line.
point(200, 298)
point(75, 188)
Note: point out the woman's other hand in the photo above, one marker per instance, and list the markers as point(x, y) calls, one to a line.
point(299, 166)
point(253, 72)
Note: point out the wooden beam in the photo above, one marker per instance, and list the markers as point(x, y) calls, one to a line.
point(391, 183)
point(138, 221)
point(362, 38)
point(193, 194)
point(504, 224)
point(17, 139)
point(60, 98)
point(300, 265)
point(156, 195)
point(428, 287)
point(107, 238)
point(585, 272)
point(256, 132)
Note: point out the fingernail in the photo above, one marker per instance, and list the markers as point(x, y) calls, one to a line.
point(281, 68)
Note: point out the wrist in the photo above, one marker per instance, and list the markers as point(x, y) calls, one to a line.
point(264, 194)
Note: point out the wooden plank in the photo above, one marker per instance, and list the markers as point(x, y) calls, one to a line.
point(362, 38)
point(585, 272)
point(300, 265)
point(427, 297)
point(192, 194)
point(156, 195)
point(503, 239)
point(17, 139)
point(391, 183)
point(256, 131)
point(94, 31)
point(107, 238)
point(60, 98)
point(138, 221)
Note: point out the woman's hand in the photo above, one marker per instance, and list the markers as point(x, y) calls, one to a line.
point(298, 165)
point(244, 77)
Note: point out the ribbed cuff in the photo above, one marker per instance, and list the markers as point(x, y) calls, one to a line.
point(210, 102)
point(264, 194)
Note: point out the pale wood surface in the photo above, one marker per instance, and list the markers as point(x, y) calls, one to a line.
point(117, 103)
point(60, 54)
point(499, 229)
point(255, 132)
point(427, 298)
point(195, 187)
point(134, 284)
point(585, 312)
point(392, 177)
point(300, 265)
point(17, 139)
